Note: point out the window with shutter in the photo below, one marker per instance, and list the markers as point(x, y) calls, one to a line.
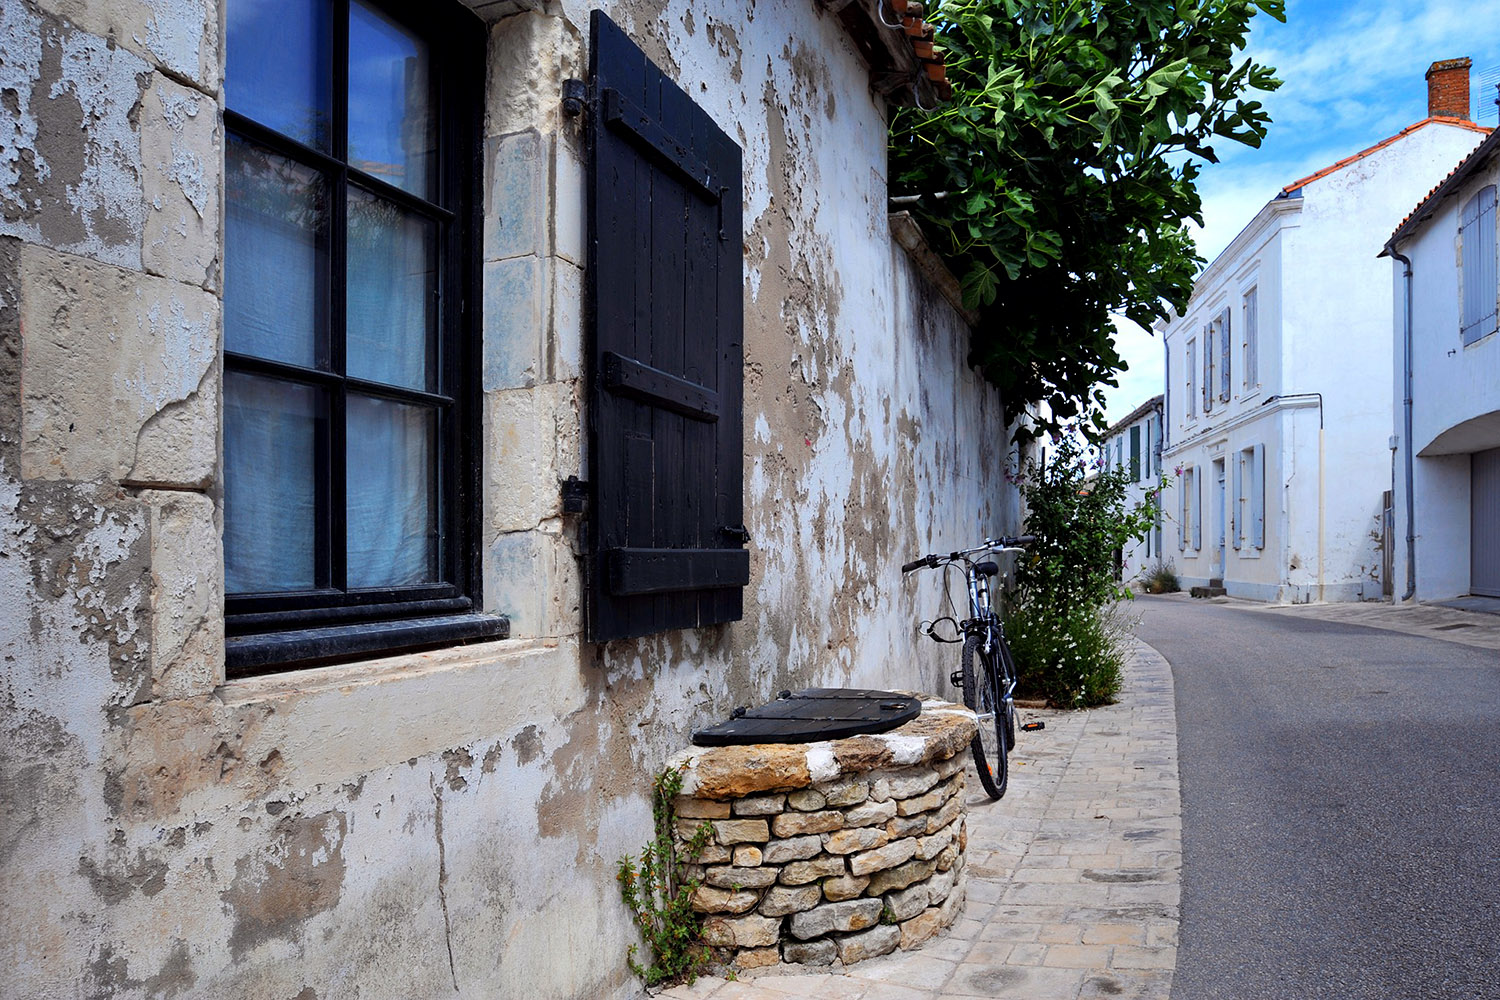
point(1237, 504)
point(1208, 368)
point(1197, 507)
point(1226, 351)
point(1477, 273)
point(1135, 453)
point(665, 296)
point(1258, 498)
point(1190, 404)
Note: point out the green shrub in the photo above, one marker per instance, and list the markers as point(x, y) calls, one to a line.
point(1160, 578)
point(661, 897)
point(1063, 622)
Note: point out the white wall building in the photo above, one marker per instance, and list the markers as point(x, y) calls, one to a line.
point(1135, 444)
point(1279, 375)
point(1447, 426)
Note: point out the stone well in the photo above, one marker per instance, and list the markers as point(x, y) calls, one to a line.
point(828, 852)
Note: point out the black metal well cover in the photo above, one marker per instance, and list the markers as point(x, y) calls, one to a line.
point(813, 714)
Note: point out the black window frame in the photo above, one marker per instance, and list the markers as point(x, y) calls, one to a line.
point(268, 632)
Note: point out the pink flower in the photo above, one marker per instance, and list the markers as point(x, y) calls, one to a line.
point(1178, 470)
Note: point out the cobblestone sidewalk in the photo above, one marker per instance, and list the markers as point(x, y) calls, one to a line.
point(1073, 876)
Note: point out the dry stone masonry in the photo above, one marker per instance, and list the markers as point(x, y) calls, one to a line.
point(829, 852)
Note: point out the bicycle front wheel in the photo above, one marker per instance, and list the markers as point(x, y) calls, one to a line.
point(982, 696)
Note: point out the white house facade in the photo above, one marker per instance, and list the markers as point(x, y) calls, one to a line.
point(1134, 444)
point(1278, 381)
point(1446, 359)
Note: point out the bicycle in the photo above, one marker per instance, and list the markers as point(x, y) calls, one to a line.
point(989, 691)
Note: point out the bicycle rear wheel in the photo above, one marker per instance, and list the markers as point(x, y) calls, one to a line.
point(982, 695)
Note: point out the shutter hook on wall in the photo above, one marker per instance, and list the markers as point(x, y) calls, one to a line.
point(575, 96)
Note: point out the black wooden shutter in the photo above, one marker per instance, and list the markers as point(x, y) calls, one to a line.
point(665, 286)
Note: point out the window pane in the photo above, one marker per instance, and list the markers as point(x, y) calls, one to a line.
point(275, 256)
point(390, 127)
point(393, 507)
point(277, 65)
point(271, 434)
point(392, 303)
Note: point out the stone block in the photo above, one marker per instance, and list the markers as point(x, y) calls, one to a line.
point(870, 814)
point(119, 374)
point(947, 857)
point(750, 931)
point(182, 154)
point(567, 323)
point(794, 824)
point(748, 856)
point(187, 599)
point(900, 877)
point(532, 576)
point(810, 952)
point(796, 849)
point(70, 171)
point(951, 766)
point(895, 853)
point(860, 838)
point(830, 918)
point(760, 805)
point(782, 900)
point(807, 800)
point(568, 197)
point(845, 887)
point(529, 52)
point(871, 944)
point(912, 783)
point(756, 958)
point(530, 443)
point(741, 831)
point(713, 854)
point(735, 772)
point(904, 904)
point(932, 845)
point(923, 927)
point(688, 807)
point(516, 307)
point(928, 801)
point(711, 899)
point(907, 826)
point(846, 793)
point(802, 872)
point(516, 208)
point(951, 907)
point(939, 886)
point(181, 36)
point(950, 812)
point(729, 877)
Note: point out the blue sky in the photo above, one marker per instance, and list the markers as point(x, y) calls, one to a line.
point(1352, 74)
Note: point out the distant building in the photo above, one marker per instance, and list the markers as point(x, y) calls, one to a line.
point(1447, 416)
point(1279, 374)
point(1134, 444)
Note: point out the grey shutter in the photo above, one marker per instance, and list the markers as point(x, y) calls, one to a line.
point(665, 289)
point(1207, 389)
point(1477, 243)
point(1258, 497)
point(1135, 453)
point(1252, 334)
point(1198, 491)
point(1237, 504)
point(1226, 352)
point(1166, 408)
point(1182, 508)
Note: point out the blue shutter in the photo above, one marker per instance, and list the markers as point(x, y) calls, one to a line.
point(1135, 453)
point(1237, 501)
point(1197, 507)
point(1251, 334)
point(1182, 521)
point(1477, 239)
point(1207, 389)
point(1226, 351)
point(1258, 497)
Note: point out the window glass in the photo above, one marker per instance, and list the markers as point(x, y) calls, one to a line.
point(274, 211)
point(392, 296)
point(392, 509)
point(272, 434)
point(277, 67)
point(390, 127)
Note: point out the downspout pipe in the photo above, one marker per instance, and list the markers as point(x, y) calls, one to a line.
point(1406, 396)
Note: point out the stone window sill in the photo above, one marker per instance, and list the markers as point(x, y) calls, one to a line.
point(252, 654)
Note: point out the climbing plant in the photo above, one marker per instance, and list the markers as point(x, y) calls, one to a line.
point(1058, 179)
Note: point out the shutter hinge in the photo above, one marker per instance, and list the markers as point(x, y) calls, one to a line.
point(575, 97)
point(575, 494)
point(738, 532)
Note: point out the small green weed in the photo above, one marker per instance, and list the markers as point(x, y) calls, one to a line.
point(661, 897)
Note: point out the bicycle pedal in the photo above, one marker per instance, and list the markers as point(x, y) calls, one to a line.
point(1031, 727)
point(956, 678)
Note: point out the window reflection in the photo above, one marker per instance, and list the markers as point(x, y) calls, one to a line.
point(390, 128)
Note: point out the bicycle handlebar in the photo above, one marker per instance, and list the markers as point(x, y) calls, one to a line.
point(989, 544)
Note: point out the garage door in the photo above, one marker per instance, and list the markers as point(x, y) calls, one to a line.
point(1484, 569)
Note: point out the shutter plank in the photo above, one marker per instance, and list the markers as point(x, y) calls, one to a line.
point(660, 571)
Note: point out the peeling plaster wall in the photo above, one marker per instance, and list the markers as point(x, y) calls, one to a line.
point(444, 823)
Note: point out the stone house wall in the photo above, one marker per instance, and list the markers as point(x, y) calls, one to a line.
point(397, 826)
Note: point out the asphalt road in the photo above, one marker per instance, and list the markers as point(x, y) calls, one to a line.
point(1341, 808)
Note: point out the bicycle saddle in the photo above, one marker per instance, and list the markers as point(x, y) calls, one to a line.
point(987, 568)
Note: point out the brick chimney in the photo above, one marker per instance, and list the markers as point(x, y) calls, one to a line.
point(1448, 88)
